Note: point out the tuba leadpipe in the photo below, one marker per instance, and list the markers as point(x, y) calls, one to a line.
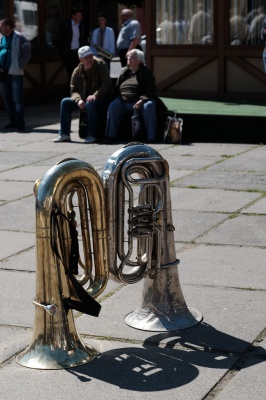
point(101, 51)
point(137, 189)
point(55, 341)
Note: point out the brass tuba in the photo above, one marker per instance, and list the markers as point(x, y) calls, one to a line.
point(55, 342)
point(137, 192)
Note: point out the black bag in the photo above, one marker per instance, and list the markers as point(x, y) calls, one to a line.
point(83, 124)
point(135, 124)
point(3, 74)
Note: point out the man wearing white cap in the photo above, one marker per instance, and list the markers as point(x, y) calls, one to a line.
point(90, 88)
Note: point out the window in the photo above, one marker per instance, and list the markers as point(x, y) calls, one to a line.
point(184, 22)
point(246, 19)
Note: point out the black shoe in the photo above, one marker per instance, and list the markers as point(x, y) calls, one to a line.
point(109, 140)
point(20, 127)
point(11, 125)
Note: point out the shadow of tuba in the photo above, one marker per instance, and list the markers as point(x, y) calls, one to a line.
point(141, 237)
point(55, 341)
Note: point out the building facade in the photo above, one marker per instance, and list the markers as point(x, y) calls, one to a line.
point(196, 49)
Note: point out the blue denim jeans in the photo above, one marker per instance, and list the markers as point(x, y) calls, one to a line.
point(264, 59)
point(92, 109)
point(12, 93)
point(118, 109)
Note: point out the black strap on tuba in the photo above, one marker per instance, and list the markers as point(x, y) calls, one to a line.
point(87, 304)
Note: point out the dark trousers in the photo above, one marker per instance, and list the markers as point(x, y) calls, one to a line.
point(71, 62)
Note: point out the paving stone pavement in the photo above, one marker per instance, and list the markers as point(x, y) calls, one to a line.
point(218, 194)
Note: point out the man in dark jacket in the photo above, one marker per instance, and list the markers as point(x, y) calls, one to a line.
point(71, 37)
point(135, 90)
point(90, 90)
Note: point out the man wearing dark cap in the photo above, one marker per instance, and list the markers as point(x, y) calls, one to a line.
point(90, 88)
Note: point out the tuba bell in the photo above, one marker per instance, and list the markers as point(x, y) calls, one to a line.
point(136, 183)
point(55, 341)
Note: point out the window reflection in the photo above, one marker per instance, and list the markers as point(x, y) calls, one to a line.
point(246, 19)
point(184, 22)
point(26, 20)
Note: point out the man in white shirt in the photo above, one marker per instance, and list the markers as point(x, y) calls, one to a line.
point(103, 37)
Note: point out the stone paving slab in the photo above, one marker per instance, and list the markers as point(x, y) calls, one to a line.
point(17, 308)
point(224, 266)
point(257, 208)
point(214, 149)
point(19, 215)
point(14, 242)
point(239, 387)
point(13, 159)
point(211, 200)
point(260, 347)
point(177, 174)
point(191, 163)
point(4, 167)
point(23, 261)
point(49, 146)
point(191, 224)
point(12, 340)
point(232, 317)
point(9, 190)
point(257, 152)
point(9, 144)
point(234, 180)
point(92, 158)
point(220, 241)
point(123, 370)
point(28, 173)
point(243, 230)
point(242, 163)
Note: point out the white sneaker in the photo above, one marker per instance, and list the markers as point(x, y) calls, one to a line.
point(62, 138)
point(90, 139)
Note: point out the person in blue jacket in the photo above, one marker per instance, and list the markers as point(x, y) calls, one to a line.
point(15, 52)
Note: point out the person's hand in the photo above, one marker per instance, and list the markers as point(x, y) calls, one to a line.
point(81, 104)
point(138, 104)
point(91, 97)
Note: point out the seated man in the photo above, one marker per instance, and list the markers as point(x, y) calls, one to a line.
point(135, 89)
point(90, 88)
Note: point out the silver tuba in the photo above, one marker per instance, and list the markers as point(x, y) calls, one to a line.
point(141, 237)
point(72, 187)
